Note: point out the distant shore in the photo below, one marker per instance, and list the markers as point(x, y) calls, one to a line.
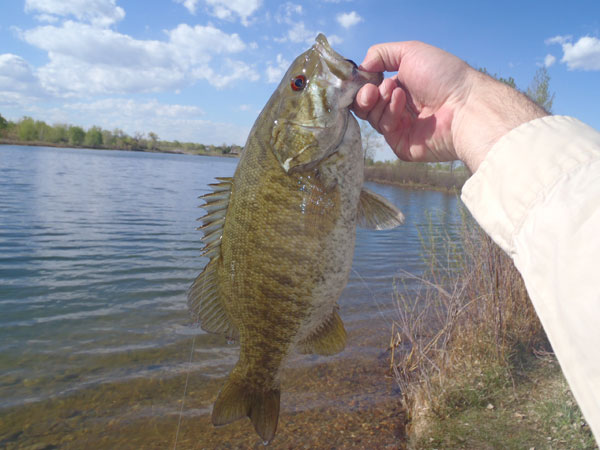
point(415, 186)
point(381, 173)
point(30, 132)
point(177, 151)
point(419, 176)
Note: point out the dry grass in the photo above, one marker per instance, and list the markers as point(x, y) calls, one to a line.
point(466, 343)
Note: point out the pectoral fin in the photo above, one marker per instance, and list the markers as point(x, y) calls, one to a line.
point(328, 339)
point(377, 213)
point(204, 301)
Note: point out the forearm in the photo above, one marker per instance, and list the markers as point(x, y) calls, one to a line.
point(537, 196)
point(491, 110)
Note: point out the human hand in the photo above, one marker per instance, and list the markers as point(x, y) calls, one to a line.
point(438, 108)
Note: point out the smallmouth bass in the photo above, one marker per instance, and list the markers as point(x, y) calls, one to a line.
point(280, 234)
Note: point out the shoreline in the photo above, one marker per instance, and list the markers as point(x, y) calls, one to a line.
point(345, 401)
point(57, 145)
point(406, 185)
point(414, 186)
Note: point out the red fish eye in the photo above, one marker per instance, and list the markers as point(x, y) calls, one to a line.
point(298, 83)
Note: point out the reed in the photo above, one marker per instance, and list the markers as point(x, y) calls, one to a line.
point(467, 335)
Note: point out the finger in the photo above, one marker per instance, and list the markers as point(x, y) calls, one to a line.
point(385, 94)
point(384, 57)
point(398, 141)
point(365, 100)
point(391, 119)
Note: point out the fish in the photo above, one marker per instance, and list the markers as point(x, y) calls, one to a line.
point(280, 233)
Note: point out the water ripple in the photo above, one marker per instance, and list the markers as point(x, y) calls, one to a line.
point(98, 249)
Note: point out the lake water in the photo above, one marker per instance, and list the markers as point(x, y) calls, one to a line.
point(97, 250)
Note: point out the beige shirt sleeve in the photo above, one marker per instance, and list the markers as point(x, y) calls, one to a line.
point(537, 194)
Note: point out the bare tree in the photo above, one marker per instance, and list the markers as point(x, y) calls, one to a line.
point(370, 141)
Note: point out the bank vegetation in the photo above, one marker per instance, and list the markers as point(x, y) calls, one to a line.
point(468, 351)
point(28, 131)
point(471, 358)
point(447, 177)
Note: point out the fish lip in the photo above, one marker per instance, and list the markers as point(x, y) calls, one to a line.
point(331, 57)
point(370, 77)
point(322, 46)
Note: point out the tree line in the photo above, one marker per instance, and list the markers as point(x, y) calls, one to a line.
point(37, 132)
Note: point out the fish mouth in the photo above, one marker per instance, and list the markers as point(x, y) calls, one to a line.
point(346, 69)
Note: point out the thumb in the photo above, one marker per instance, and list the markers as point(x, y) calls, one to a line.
point(384, 57)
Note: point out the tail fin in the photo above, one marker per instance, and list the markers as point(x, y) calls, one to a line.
point(239, 399)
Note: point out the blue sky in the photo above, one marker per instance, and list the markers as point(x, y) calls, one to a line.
point(201, 70)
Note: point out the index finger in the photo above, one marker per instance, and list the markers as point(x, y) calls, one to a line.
point(384, 57)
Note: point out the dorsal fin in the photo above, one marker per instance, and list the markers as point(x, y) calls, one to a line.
point(377, 213)
point(204, 301)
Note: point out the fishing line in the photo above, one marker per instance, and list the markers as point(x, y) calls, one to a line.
point(189, 369)
point(378, 303)
point(187, 378)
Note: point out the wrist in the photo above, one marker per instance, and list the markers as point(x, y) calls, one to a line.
point(491, 109)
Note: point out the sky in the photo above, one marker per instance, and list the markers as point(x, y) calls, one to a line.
point(201, 70)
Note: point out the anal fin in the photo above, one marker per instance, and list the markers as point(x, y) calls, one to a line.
point(328, 339)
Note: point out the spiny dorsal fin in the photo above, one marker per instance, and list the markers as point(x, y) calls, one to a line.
point(377, 213)
point(328, 339)
point(204, 301)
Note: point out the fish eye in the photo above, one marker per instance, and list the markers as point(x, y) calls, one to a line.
point(298, 82)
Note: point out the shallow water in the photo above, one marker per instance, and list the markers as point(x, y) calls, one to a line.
point(97, 250)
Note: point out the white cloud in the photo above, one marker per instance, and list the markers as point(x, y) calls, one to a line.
point(9, 99)
point(348, 20)
point(286, 11)
point(549, 60)
point(46, 18)
point(275, 71)
point(227, 9)
point(582, 55)
point(86, 43)
point(132, 108)
point(334, 40)
point(195, 45)
point(66, 76)
point(169, 121)
point(87, 60)
point(558, 40)
point(97, 12)
point(299, 34)
point(189, 4)
point(16, 74)
point(20, 90)
point(229, 72)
